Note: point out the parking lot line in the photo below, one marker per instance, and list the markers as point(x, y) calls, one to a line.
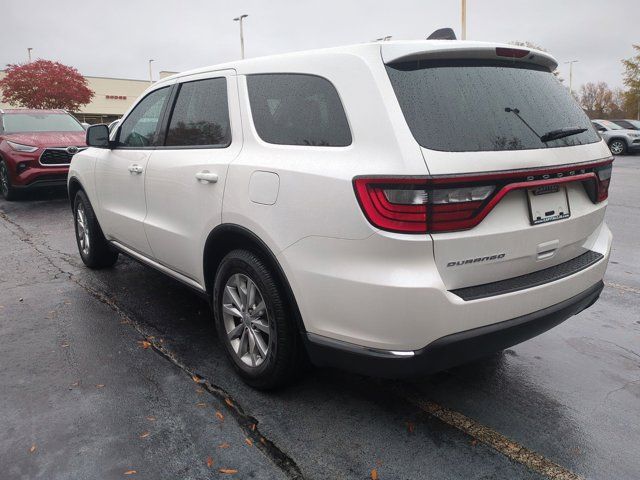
point(481, 433)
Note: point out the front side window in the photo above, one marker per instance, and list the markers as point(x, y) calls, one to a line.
point(200, 115)
point(487, 105)
point(139, 128)
point(40, 122)
point(296, 109)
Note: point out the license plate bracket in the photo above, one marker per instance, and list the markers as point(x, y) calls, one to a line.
point(548, 203)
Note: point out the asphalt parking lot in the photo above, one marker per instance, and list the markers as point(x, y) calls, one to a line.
point(117, 374)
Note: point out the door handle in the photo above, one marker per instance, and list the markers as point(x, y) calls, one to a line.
point(135, 168)
point(206, 176)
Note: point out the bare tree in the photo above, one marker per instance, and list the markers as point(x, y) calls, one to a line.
point(597, 99)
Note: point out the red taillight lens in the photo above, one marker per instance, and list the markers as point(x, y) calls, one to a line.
point(411, 206)
point(604, 178)
point(511, 52)
point(446, 204)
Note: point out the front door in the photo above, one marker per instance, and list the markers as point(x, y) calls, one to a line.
point(120, 173)
point(186, 173)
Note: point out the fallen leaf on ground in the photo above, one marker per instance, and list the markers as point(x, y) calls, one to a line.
point(248, 442)
point(201, 404)
point(145, 434)
point(223, 445)
point(195, 378)
point(64, 345)
point(209, 462)
point(253, 427)
point(263, 441)
point(75, 384)
point(144, 344)
point(374, 474)
point(220, 416)
point(100, 385)
point(151, 418)
point(130, 472)
point(228, 402)
point(33, 448)
point(229, 471)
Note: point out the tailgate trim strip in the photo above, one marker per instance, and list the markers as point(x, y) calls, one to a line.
point(529, 280)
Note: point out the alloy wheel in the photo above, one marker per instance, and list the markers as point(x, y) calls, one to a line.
point(617, 147)
point(246, 320)
point(82, 230)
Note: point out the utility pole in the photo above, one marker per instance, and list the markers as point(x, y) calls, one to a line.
point(29, 53)
point(239, 20)
point(150, 72)
point(571, 75)
point(464, 20)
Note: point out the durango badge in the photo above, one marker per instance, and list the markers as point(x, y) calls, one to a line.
point(476, 260)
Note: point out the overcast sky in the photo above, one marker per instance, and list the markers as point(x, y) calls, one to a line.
point(115, 38)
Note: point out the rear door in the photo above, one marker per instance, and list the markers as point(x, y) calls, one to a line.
point(120, 174)
point(475, 117)
point(187, 172)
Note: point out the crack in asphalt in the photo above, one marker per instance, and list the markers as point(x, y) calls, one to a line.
point(623, 288)
point(246, 422)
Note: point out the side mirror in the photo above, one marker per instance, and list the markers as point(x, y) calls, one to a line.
point(98, 136)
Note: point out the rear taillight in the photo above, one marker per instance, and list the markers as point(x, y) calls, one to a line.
point(604, 178)
point(413, 206)
point(446, 204)
point(511, 52)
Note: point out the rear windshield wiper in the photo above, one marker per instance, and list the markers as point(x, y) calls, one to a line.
point(563, 132)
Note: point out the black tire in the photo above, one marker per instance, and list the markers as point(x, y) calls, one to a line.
point(618, 146)
point(284, 358)
point(98, 253)
point(8, 191)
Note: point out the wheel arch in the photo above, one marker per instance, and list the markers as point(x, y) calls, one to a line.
point(622, 139)
point(74, 187)
point(227, 237)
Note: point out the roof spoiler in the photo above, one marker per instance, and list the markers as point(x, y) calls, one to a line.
point(443, 34)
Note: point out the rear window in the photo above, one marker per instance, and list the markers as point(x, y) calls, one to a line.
point(40, 122)
point(465, 106)
point(296, 109)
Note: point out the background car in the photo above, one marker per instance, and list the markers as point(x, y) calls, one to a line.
point(628, 123)
point(620, 140)
point(36, 147)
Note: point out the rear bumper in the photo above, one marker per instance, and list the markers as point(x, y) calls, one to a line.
point(448, 351)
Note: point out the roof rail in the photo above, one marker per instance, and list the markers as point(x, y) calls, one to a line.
point(443, 34)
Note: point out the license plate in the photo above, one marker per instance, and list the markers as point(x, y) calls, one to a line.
point(548, 203)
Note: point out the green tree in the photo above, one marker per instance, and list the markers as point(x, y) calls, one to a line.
point(632, 82)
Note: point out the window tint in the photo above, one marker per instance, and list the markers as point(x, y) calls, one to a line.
point(139, 128)
point(293, 109)
point(201, 114)
point(463, 106)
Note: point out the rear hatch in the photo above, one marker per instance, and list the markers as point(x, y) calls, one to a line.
point(501, 138)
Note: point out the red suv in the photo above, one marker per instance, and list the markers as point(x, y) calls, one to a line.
point(36, 147)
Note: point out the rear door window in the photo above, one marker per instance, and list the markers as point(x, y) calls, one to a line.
point(474, 105)
point(297, 109)
point(200, 115)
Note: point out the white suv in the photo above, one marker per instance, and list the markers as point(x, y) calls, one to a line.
point(389, 208)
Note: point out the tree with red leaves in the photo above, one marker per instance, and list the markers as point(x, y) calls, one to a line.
point(45, 84)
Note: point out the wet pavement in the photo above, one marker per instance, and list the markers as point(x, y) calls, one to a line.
point(79, 388)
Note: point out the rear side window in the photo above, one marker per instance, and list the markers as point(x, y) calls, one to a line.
point(465, 106)
point(139, 128)
point(296, 109)
point(200, 116)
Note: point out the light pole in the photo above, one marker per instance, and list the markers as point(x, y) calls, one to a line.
point(29, 53)
point(150, 73)
point(239, 19)
point(464, 20)
point(386, 38)
point(571, 75)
